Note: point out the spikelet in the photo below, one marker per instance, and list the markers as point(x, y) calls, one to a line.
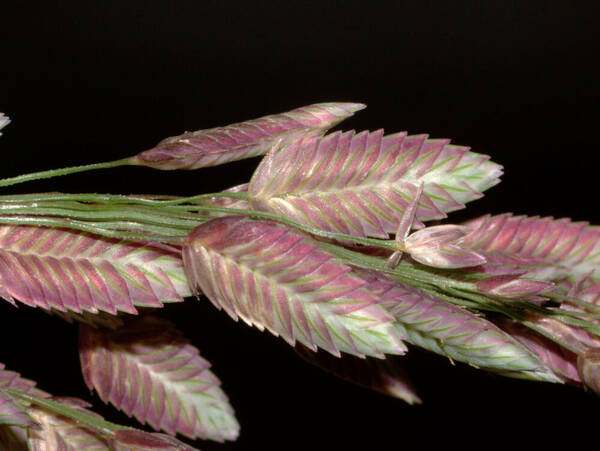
point(215, 146)
point(439, 247)
point(448, 330)
point(4, 121)
point(274, 277)
point(546, 248)
point(588, 366)
point(562, 362)
point(361, 184)
point(69, 270)
point(56, 432)
point(386, 376)
point(148, 370)
point(12, 413)
point(60, 433)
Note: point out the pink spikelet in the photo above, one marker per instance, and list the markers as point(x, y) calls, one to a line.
point(387, 376)
point(12, 413)
point(588, 365)
point(4, 121)
point(149, 356)
point(276, 278)
point(513, 287)
point(362, 183)
point(548, 249)
point(439, 247)
point(561, 361)
point(428, 322)
point(215, 146)
point(72, 271)
point(436, 246)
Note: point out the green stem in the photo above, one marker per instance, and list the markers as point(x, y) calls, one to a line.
point(84, 419)
point(63, 171)
point(123, 214)
point(472, 306)
point(119, 230)
point(405, 270)
point(387, 244)
point(152, 200)
point(483, 302)
point(167, 206)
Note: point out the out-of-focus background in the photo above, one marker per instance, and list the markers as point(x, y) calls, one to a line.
point(87, 81)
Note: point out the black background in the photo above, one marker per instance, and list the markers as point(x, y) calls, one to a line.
point(91, 81)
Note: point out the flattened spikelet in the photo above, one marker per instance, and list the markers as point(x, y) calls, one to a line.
point(75, 271)
point(148, 370)
point(361, 184)
point(215, 146)
point(274, 277)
